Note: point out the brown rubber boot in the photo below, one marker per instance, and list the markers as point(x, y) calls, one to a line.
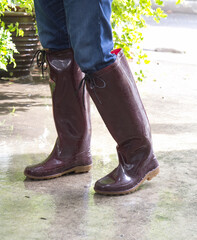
point(71, 152)
point(116, 97)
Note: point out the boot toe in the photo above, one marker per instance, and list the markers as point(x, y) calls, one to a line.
point(32, 171)
point(28, 171)
point(104, 184)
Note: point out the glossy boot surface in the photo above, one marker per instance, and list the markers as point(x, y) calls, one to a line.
point(116, 97)
point(71, 152)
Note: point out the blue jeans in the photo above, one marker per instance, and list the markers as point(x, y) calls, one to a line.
point(83, 25)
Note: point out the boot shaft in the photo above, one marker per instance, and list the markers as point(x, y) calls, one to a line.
point(71, 119)
point(119, 102)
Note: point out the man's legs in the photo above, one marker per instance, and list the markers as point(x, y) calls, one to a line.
point(71, 152)
point(83, 25)
point(118, 101)
point(113, 90)
point(89, 27)
point(51, 22)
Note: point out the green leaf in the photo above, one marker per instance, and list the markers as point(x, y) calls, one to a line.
point(179, 1)
point(159, 2)
point(128, 22)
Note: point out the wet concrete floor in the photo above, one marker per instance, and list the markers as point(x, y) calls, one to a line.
point(67, 207)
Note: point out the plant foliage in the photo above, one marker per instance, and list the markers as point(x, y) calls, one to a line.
point(7, 47)
point(128, 20)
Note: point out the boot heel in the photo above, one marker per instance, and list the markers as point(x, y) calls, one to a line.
point(153, 174)
point(81, 169)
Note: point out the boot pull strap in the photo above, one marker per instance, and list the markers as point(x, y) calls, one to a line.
point(41, 62)
point(88, 79)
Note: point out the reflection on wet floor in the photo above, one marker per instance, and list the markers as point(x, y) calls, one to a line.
point(67, 207)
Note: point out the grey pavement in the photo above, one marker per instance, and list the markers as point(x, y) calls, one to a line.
point(177, 34)
point(67, 207)
point(186, 6)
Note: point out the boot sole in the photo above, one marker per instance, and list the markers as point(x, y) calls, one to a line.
point(78, 169)
point(149, 176)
